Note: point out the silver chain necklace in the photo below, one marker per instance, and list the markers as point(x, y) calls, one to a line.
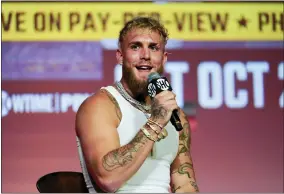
point(137, 104)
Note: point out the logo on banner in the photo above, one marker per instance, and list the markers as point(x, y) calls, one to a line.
point(41, 103)
point(6, 103)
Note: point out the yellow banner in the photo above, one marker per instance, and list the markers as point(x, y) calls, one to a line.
point(75, 21)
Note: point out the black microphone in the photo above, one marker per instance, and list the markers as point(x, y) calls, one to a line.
point(157, 84)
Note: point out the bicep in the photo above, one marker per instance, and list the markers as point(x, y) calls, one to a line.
point(96, 129)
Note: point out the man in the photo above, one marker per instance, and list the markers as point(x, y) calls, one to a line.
point(125, 139)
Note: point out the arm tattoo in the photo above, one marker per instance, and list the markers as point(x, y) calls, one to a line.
point(124, 155)
point(194, 185)
point(184, 137)
point(113, 100)
point(174, 188)
point(158, 111)
point(184, 169)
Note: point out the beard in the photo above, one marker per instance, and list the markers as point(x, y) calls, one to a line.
point(137, 87)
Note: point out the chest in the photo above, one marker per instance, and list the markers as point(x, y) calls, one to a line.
point(133, 120)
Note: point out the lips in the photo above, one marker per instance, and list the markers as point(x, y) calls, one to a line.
point(144, 68)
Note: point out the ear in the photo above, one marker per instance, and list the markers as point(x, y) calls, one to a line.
point(165, 58)
point(119, 56)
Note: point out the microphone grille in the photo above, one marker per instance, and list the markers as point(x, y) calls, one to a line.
point(152, 76)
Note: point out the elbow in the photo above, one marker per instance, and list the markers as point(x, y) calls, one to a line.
point(108, 184)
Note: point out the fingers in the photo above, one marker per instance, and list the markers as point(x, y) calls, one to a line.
point(166, 95)
point(172, 106)
point(167, 99)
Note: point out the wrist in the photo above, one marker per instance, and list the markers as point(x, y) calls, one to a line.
point(156, 123)
point(160, 133)
point(149, 134)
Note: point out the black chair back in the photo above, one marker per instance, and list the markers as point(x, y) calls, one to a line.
point(62, 182)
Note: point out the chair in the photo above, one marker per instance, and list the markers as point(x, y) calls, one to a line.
point(62, 182)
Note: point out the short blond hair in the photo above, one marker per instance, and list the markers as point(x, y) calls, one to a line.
point(144, 23)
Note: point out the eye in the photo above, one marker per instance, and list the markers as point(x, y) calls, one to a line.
point(134, 47)
point(154, 48)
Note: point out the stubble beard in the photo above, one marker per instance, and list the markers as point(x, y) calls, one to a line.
point(137, 87)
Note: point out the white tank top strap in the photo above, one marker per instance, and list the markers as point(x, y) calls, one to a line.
point(122, 102)
point(113, 92)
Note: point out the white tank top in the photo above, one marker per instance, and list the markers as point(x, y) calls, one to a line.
point(154, 174)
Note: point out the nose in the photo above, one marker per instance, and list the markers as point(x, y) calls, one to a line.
point(145, 53)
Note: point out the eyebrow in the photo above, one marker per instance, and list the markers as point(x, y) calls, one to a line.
point(140, 43)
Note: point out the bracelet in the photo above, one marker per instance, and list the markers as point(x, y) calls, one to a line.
point(153, 128)
point(151, 121)
point(148, 135)
point(164, 132)
point(161, 134)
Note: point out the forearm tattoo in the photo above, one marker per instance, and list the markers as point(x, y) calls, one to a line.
point(184, 169)
point(194, 185)
point(158, 111)
point(124, 155)
point(174, 188)
point(184, 137)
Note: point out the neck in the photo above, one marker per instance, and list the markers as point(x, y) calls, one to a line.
point(142, 98)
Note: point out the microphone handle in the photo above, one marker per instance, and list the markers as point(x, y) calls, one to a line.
point(176, 121)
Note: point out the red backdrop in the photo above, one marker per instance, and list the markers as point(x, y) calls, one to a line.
point(234, 149)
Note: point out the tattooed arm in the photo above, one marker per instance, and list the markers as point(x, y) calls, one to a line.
point(182, 172)
point(109, 164)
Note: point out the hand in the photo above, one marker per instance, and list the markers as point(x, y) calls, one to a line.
point(162, 107)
